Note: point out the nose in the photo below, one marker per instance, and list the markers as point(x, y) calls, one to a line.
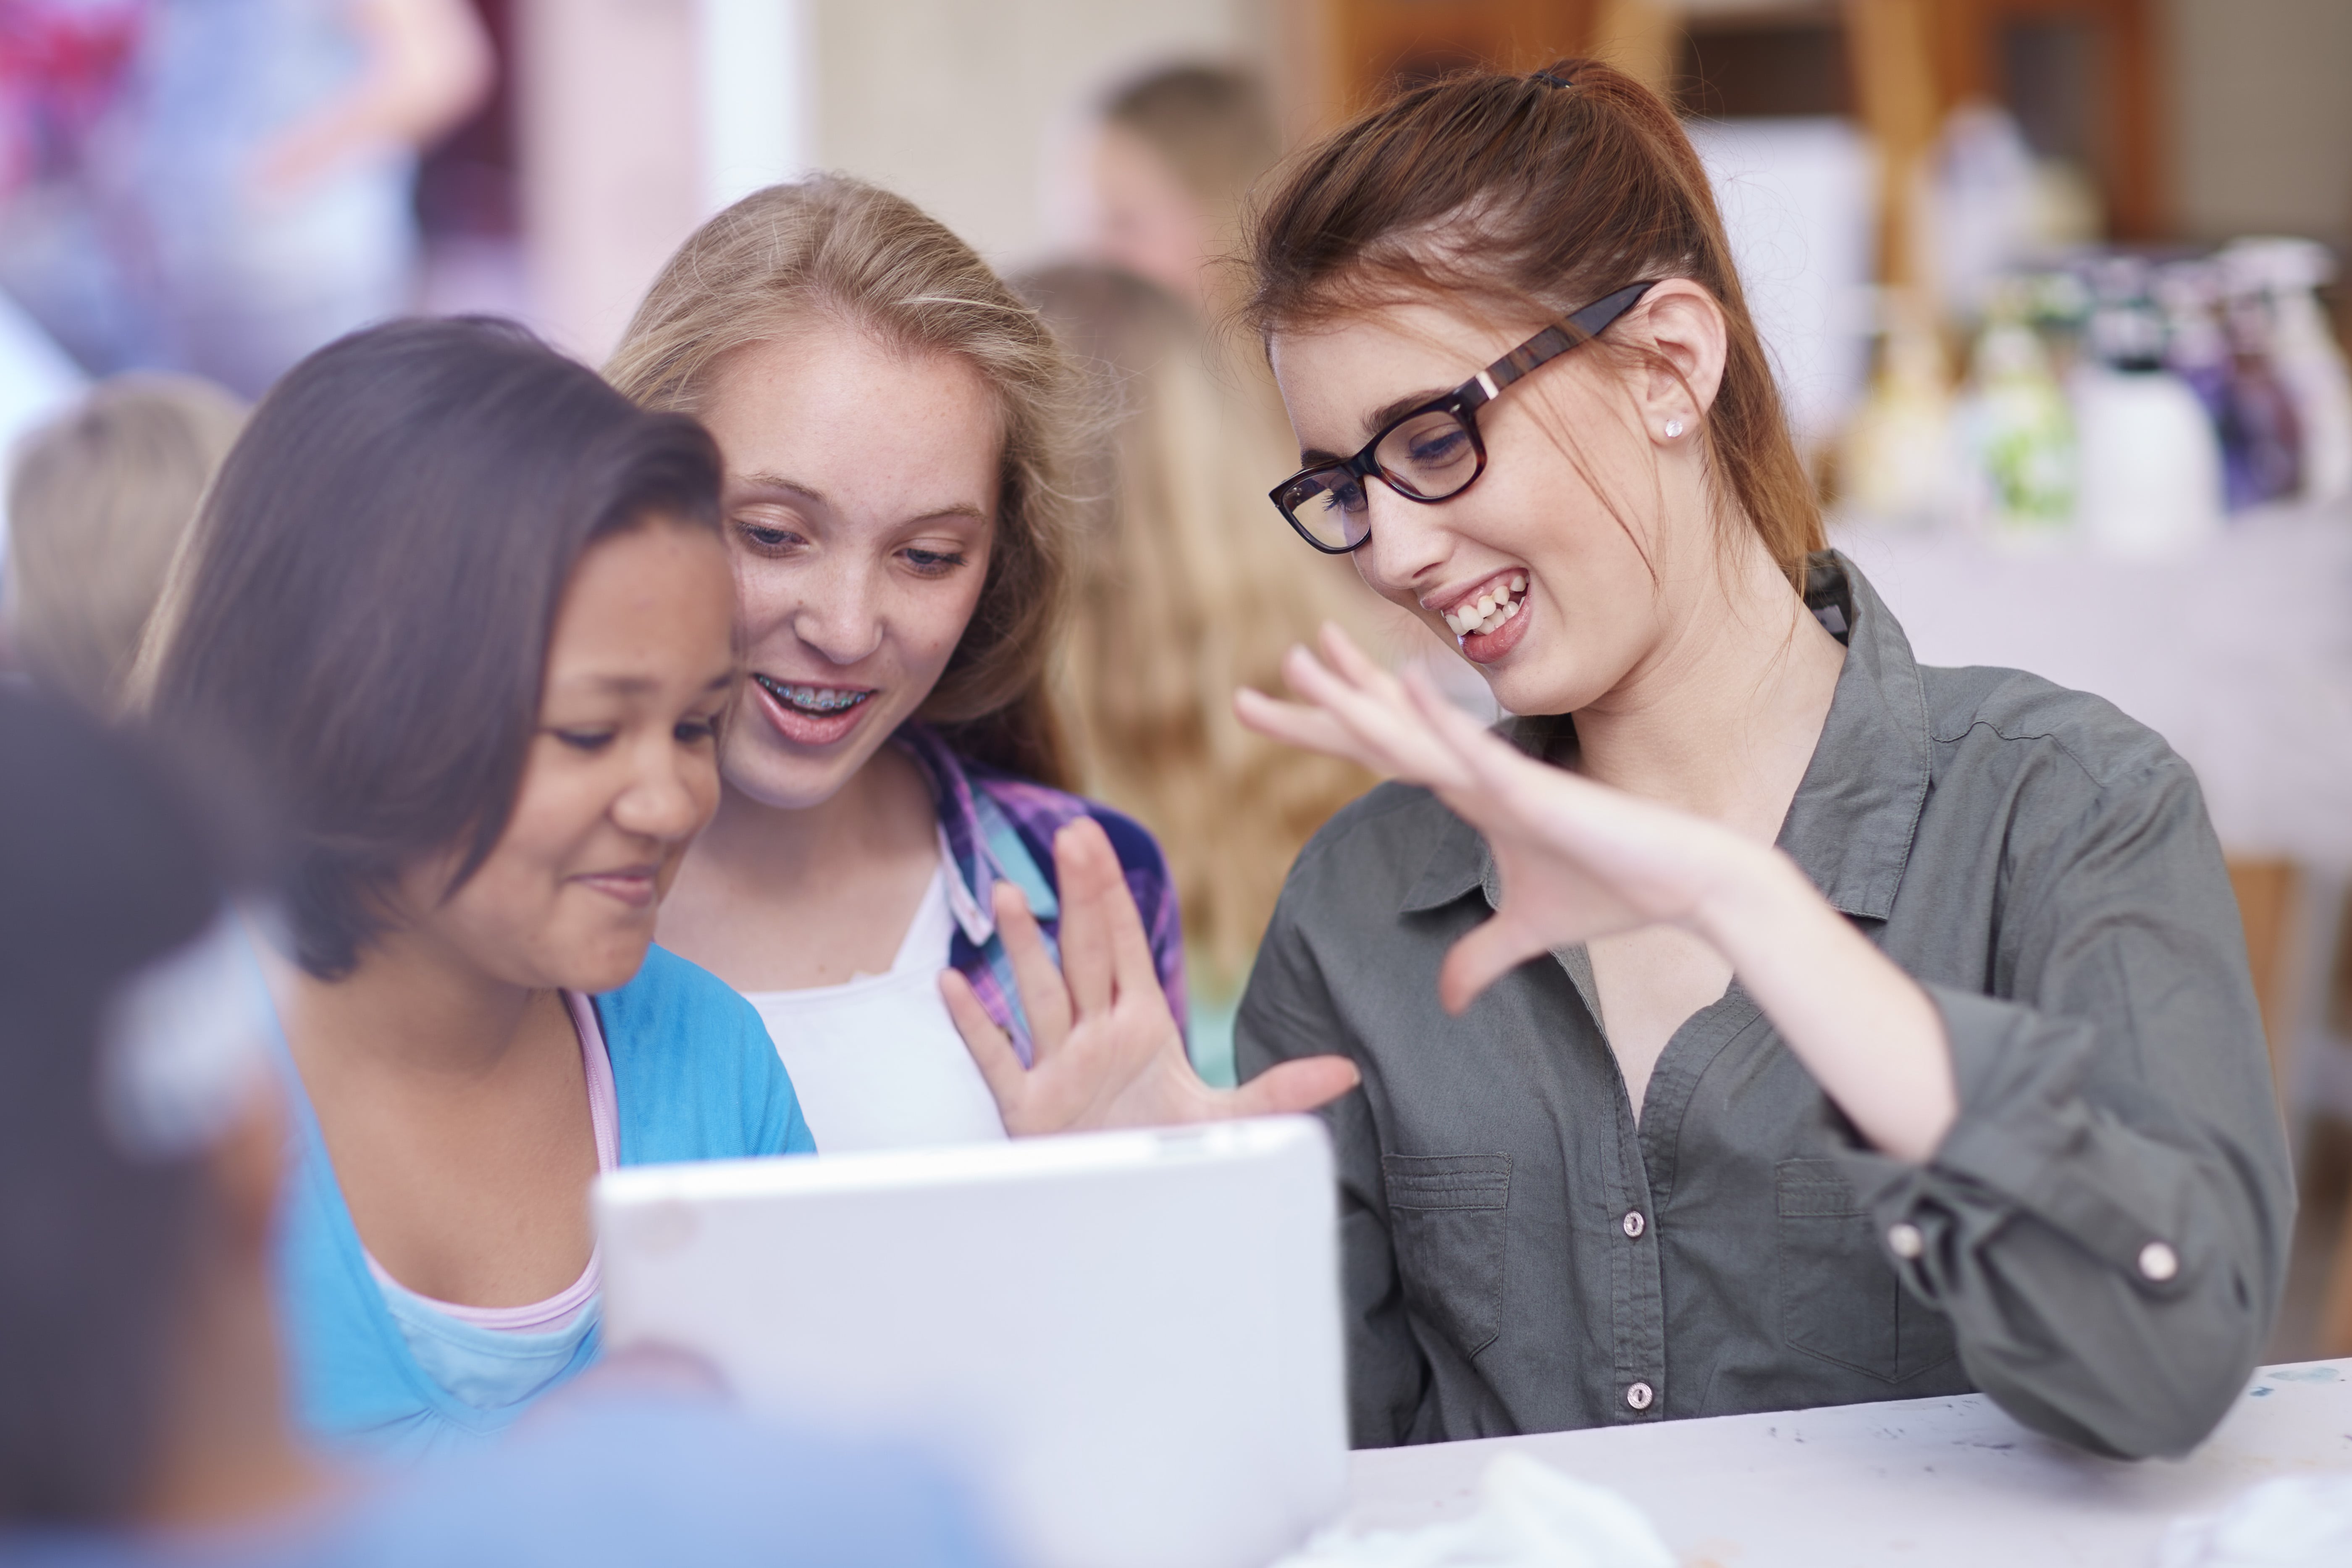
point(672, 792)
point(838, 612)
point(1408, 542)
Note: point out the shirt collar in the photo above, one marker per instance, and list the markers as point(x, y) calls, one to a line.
point(963, 843)
point(1851, 824)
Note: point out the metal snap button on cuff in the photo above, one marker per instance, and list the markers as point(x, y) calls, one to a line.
point(1639, 1396)
point(2158, 1262)
point(1634, 1223)
point(1903, 1240)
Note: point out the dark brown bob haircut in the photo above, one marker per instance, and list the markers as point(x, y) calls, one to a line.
point(363, 610)
point(1531, 196)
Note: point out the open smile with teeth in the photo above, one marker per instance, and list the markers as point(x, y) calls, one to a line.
point(1489, 610)
point(818, 701)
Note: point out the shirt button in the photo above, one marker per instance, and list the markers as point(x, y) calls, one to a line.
point(1639, 1396)
point(1634, 1223)
point(2158, 1262)
point(1905, 1241)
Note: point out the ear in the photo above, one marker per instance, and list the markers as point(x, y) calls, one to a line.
point(1684, 325)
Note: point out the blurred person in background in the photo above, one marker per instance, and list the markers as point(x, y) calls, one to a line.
point(901, 438)
point(463, 610)
point(98, 503)
point(1185, 593)
point(142, 1144)
point(1173, 153)
point(220, 187)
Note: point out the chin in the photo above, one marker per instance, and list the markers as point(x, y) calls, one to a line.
point(784, 778)
point(1532, 689)
point(609, 965)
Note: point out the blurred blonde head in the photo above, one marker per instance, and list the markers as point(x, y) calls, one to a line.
point(1189, 586)
point(98, 504)
point(831, 247)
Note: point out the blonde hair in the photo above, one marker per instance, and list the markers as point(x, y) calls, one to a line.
point(832, 245)
point(98, 504)
point(1189, 585)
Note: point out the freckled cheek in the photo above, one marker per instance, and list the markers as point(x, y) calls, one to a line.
point(764, 595)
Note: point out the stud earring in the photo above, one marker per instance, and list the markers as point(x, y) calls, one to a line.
point(1674, 428)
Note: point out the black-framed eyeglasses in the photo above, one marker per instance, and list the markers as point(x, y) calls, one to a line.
point(1433, 452)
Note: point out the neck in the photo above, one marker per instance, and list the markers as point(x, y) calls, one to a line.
point(412, 1007)
point(1722, 718)
point(883, 809)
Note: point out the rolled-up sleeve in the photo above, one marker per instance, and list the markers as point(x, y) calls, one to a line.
point(1288, 1012)
point(2106, 1223)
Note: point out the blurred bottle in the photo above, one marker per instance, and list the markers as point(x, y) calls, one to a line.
point(1901, 465)
point(2285, 276)
point(2260, 433)
point(2150, 459)
point(2196, 349)
point(2018, 426)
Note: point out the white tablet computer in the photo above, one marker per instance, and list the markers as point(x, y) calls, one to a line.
point(1130, 1343)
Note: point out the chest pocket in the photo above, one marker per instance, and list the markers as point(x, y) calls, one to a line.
point(1839, 1300)
point(1446, 1218)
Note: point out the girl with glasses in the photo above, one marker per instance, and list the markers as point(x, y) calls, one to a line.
point(1763, 1020)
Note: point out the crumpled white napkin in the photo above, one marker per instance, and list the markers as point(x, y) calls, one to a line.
point(1530, 1516)
point(2297, 1521)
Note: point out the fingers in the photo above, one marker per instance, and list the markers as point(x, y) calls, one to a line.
point(1044, 995)
point(1296, 724)
point(1296, 1086)
point(991, 1049)
point(1379, 718)
point(1088, 890)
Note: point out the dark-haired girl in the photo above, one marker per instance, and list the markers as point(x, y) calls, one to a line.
point(1782, 1023)
point(464, 609)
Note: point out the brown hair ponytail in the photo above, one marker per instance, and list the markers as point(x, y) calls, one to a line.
point(1540, 194)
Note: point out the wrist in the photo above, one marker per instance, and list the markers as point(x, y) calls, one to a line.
point(1756, 891)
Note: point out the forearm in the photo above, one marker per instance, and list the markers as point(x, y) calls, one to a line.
point(1866, 1031)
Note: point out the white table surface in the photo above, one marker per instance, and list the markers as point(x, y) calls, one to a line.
point(1920, 1482)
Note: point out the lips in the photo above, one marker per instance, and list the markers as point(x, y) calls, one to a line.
point(1491, 618)
point(633, 885)
point(809, 714)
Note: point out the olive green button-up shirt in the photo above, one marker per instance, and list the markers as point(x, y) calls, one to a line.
point(2099, 1243)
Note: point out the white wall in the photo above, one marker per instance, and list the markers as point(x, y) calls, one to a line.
point(2261, 107)
point(639, 118)
point(953, 102)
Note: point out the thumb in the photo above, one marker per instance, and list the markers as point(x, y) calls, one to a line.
point(1296, 1086)
point(1480, 959)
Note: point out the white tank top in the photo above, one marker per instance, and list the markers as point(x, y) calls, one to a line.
point(876, 1061)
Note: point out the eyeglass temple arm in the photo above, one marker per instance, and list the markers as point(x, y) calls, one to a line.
point(1555, 341)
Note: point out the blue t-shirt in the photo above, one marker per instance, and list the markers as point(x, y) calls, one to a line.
point(619, 1478)
point(694, 1077)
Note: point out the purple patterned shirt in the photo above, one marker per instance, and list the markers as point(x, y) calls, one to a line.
point(996, 828)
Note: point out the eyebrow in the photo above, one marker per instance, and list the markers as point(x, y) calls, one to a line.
point(1396, 407)
point(764, 481)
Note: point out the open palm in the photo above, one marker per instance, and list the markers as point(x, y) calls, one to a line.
point(1108, 1052)
point(1578, 860)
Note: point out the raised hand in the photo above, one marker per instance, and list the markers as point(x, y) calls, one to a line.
point(1108, 1052)
point(1578, 860)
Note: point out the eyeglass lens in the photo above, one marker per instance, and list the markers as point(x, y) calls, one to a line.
point(1431, 456)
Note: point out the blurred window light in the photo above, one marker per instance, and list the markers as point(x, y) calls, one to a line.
point(757, 95)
